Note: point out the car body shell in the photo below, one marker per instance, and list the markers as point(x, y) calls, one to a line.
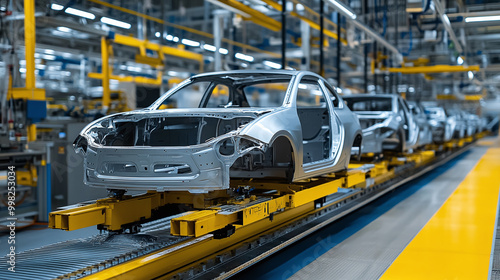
point(254, 135)
point(393, 129)
point(442, 126)
point(425, 132)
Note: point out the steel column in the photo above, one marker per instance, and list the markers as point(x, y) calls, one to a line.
point(305, 31)
point(322, 38)
point(283, 34)
point(217, 26)
point(339, 46)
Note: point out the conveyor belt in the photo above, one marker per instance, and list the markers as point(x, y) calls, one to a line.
point(79, 258)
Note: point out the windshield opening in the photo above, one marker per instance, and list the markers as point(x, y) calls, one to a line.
point(235, 91)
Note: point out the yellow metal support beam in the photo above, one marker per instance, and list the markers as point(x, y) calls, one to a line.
point(309, 195)
point(433, 69)
point(134, 79)
point(29, 40)
point(144, 44)
point(26, 93)
point(254, 15)
point(112, 214)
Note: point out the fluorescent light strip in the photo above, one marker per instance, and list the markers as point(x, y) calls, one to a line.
point(480, 19)
point(157, 34)
point(191, 43)
point(272, 64)
point(56, 7)
point(245, 57)
point(115, 22)
point(209, 47)
point(343, 9)
point(79, 13)
point(223, 51)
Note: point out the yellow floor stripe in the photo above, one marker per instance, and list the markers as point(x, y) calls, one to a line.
point(456, 242)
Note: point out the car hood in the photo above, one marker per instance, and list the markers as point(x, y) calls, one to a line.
point(170, 127)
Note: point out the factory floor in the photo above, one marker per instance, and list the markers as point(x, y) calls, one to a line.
point(439, 226)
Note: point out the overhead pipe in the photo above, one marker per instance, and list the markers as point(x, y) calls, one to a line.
point(447, 25)
point(350, 15)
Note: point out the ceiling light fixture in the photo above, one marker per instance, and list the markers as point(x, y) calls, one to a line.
point(343, 9)
point(79, 13)
point(56, 7)
point(272, 64)
point(245, 57)
point(191, 43)
point(480, 19)
point(115, 22)
point(209, 47)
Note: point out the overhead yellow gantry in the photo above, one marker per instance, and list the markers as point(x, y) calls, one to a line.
point(142, 57)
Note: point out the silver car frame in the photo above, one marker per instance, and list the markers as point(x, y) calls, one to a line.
point(386, 130)
point(275, 131)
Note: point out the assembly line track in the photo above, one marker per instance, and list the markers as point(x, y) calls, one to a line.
point(85, 257)
point(329, 213)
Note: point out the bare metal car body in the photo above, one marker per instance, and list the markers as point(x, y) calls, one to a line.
point(460, 123)
point(386, 120)
point(442, 126)
point(425, 132)
point(245, 124)
point(473, 123)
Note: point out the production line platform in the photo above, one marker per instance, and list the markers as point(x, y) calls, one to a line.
point(221, 236)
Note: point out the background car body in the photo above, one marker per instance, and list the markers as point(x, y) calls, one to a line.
point(297, 128)
point(442, 126)
point(460, 128)
point(425, 133)
point(386, 121)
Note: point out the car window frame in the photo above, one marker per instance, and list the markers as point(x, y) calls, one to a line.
point(329, 88)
